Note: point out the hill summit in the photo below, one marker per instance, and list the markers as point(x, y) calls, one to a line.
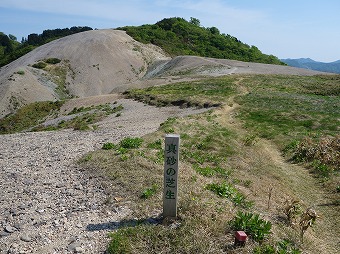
point(180, 37)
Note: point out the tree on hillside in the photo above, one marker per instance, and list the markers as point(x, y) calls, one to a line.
point(195, 21)
point(179, 37)
point(12, 37)
point(11, 49)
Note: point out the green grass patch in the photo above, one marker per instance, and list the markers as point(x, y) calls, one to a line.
point(286, 108)
point(204, 93)
point(131, 143)
point(85, 118)
point(28, 116)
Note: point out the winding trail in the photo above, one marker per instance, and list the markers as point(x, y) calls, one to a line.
point(47, 205)
point(288, 181)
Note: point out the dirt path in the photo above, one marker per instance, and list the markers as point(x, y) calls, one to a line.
point(288, 181)
point(47, 205)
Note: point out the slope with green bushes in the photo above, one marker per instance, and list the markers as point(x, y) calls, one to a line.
point(180, 37)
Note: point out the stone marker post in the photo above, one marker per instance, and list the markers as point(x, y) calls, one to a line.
point(171, 162)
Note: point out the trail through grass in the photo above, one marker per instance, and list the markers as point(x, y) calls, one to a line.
point(227, 157)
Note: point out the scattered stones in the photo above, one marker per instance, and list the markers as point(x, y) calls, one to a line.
point(47, 203)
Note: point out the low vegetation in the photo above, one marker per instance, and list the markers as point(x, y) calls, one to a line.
point(28, 116)
point(223, 187)
point(31, 117)
point(84, 118)
point(203, 93)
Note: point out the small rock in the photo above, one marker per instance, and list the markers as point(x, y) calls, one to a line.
point(18, 226)
point(10, 229)
point(78, 250)
point(26, 238)
point(73, 246)
point(175, 225)
point(3, 234)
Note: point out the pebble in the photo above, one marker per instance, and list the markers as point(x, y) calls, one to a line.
point(3, 234)
point(10, 229)
point(26, 238)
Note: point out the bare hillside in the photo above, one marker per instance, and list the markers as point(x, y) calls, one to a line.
point(93, 63)
point(108, 61)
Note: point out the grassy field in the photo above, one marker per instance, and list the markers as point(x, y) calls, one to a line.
point(232, 173)
point(32, 116)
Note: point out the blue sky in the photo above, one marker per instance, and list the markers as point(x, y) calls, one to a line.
point(284, 28)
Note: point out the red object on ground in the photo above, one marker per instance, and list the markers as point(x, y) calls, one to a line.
point(240, 238)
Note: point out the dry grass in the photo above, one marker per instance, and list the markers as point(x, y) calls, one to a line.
point(256, 168)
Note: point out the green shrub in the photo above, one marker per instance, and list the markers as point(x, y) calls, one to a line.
point(21, 72)
point(131, 143)
point(108, 146)
point(52, 60)
point(39, 65)
point(222, 190)
point(251, 223)
point(228, 191)
point(147, 193)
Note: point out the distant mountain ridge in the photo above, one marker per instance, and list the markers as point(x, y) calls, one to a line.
point(307, 63)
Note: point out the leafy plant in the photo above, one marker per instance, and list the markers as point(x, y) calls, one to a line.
point(108, 146)
point(264, 249)
point(131, 143)
point(287, 247)
point(222, 190)
point(147, 193)
point(251, 223)
point(52, 60)
point(228, 191)
point(39, 65)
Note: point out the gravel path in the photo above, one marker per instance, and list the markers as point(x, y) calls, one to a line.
point(47, 205)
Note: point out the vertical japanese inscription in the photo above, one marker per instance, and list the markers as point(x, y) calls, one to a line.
point(171, 162)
